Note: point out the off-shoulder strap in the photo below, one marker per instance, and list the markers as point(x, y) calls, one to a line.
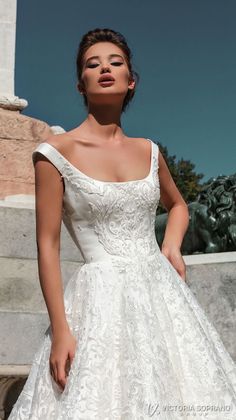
point(51, 153)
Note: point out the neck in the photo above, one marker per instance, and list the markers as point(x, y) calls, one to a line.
point(103, 121)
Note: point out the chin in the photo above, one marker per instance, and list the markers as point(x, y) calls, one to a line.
point(107, 98)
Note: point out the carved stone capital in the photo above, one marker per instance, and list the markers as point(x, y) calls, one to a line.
point(12, 103)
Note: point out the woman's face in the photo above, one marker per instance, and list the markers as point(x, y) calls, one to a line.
point(106, 60)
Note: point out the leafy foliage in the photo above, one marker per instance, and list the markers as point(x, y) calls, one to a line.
point(184, 176)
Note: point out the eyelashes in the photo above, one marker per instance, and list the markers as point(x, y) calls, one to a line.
point(115, 63)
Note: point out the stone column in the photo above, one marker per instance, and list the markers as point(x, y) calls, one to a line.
point(8, 100)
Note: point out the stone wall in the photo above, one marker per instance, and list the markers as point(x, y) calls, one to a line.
point(19, 135)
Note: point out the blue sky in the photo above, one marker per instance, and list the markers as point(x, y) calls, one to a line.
point(183, 50)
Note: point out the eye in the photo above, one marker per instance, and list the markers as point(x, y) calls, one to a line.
point(91, 66)
point(116, 63)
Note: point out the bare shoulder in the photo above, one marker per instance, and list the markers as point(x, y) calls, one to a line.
point(145, 147)
point(142, 142)
point(59, 141)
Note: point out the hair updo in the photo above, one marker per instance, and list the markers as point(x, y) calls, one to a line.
point(106, 35)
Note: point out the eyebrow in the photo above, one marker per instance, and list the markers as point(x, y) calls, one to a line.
point(110, 56)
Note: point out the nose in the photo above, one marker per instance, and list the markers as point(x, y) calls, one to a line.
point(105, 68)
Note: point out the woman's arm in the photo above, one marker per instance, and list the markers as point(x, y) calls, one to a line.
point(178, 218)
point(48, 206)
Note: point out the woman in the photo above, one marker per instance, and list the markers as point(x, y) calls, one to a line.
point(127, 339)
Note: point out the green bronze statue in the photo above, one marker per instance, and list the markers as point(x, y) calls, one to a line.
point(212, 226)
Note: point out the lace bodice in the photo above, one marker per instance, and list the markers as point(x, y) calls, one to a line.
point(108, 219)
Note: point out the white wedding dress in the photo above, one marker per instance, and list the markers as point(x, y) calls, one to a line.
point(145, 347)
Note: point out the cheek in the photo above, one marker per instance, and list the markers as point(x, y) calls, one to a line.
point(123, 76)
point(89, 78)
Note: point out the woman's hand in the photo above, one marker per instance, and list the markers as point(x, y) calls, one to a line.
point(61, 356)
point(174, 256)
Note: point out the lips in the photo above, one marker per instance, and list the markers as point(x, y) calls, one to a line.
point(106, 78)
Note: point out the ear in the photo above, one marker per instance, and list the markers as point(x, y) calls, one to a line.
point(80, 88)
point(131, 84)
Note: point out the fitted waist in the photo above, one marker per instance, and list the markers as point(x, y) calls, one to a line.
point(94, 249)
point(135, 259)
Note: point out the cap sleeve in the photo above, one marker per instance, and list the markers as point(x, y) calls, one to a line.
point(51, 154)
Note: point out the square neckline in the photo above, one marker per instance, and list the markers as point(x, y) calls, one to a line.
point(98, 180)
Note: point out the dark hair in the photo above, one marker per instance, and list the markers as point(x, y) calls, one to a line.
point(106, 35)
